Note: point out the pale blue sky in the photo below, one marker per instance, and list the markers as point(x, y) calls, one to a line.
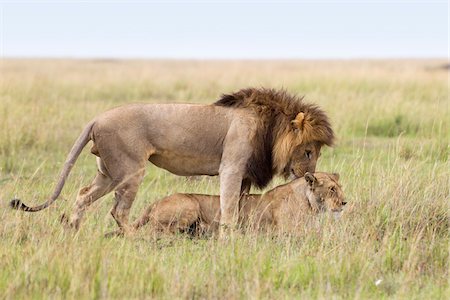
point(292, 29)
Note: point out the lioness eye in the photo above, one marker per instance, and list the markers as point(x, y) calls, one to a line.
point(308, 154)
point(333, 189)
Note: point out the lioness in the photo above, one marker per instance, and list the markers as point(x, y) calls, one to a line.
point(246, 138)
point(282, 207)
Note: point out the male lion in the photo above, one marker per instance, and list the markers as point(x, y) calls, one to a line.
point(246, 138)
point(283, 207)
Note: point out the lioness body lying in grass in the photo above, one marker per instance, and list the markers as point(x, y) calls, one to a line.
point(282, 207)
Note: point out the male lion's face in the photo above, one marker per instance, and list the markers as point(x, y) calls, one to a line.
point(304, 159)
point(325, 193)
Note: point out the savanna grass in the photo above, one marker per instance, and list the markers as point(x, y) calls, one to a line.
point(391, 119)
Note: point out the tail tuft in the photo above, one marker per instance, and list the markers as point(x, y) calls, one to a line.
point(17, 204)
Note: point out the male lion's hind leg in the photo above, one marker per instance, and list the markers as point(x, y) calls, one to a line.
point(125, 193)
point(100, 186)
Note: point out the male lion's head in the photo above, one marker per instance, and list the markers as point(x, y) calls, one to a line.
point(303, 159)
point(300, 139)
point(289, 133)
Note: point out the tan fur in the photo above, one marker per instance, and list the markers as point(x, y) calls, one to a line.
point(284, 207)
point(244, 144)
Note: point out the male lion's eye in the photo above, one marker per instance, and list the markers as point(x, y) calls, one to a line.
point(308, 154)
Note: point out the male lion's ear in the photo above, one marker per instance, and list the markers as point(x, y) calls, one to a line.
point(335, 176)
point(298, 121)
point(310, 179)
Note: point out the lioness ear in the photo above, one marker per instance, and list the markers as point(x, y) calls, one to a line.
point(298, 121)
point(310, 179)
point(335, 176)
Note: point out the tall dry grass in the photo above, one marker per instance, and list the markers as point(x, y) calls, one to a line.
point(391, 119)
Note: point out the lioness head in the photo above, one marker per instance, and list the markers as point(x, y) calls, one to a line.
point(324, 192)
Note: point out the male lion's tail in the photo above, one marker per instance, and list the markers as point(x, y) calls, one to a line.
point(82, 140)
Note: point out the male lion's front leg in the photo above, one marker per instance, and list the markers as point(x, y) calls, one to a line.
point(230, 190)
point(236, 153)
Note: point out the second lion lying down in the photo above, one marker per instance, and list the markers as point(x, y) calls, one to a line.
point(283, 207)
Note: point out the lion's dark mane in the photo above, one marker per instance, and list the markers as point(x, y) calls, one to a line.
point(275, 109)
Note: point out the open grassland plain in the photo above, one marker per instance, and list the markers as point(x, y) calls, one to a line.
point(392, 123)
